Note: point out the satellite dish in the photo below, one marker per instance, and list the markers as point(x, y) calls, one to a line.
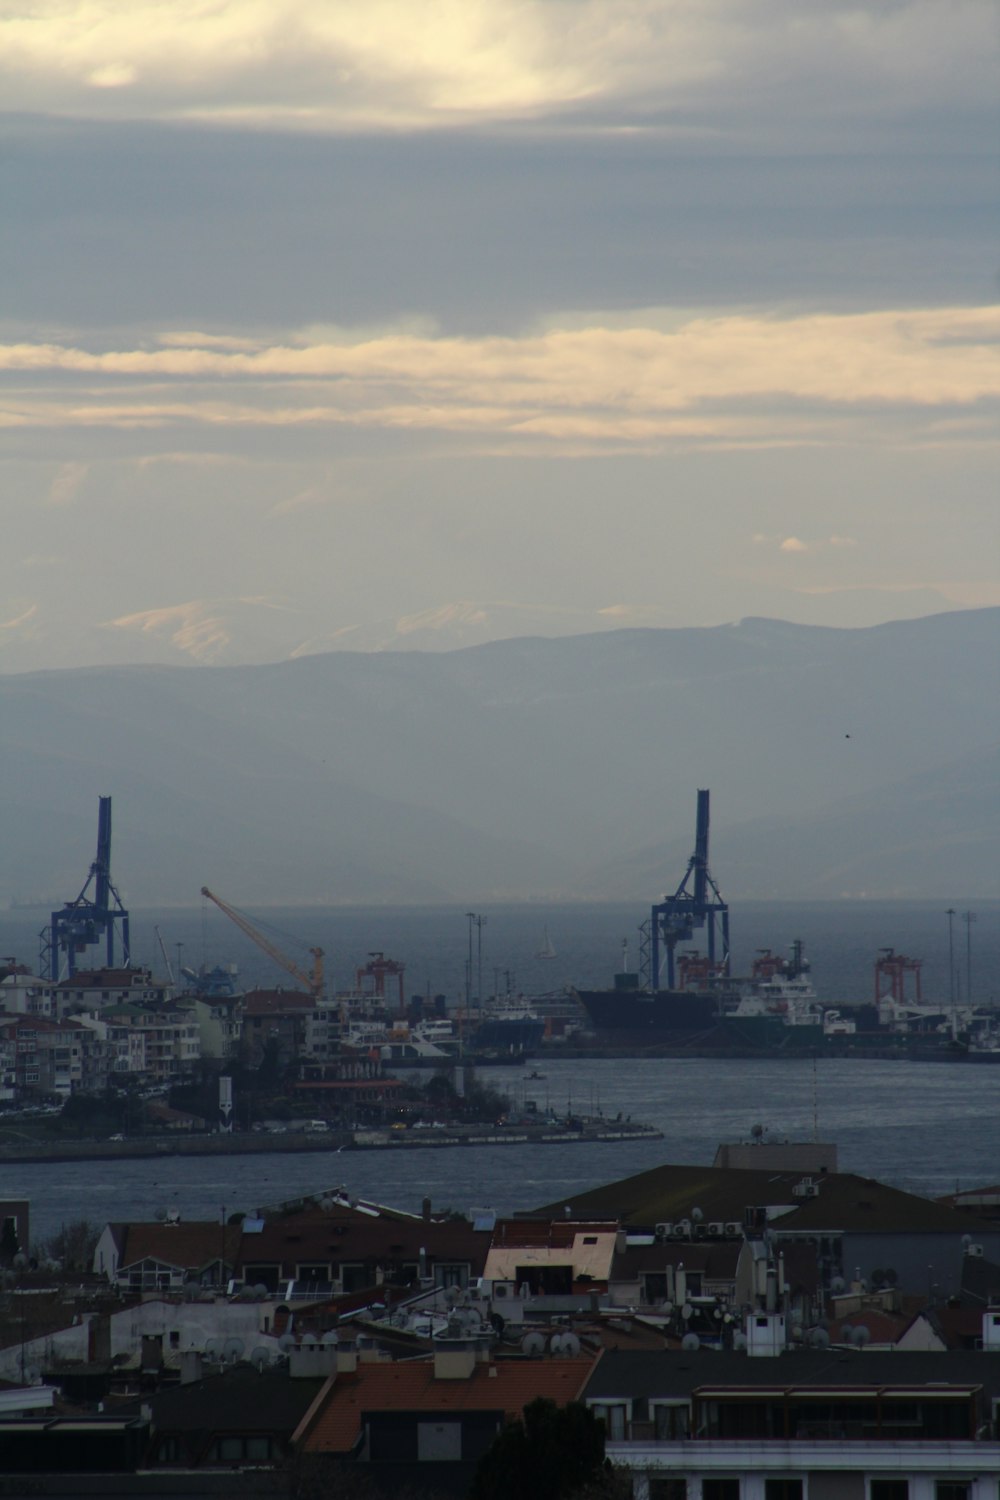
point(686, 1311)
point(213, 1348)
point(739, 1340)
point(819, 1338)
point(556, 1344)
point(260, 1356)
point(331, 1338)
point(846, 1330)
point(286, 1342)
point(838, 1284)
point(697, 1215)
point(233, 1348)
point(160, 1215)
point(757, 1131)
point(860, 1336)
point(452, 1296)
point(533, 1344)
point(690, 1342)
point(571, 1345)
point(20, 1261)
point(260, 1291)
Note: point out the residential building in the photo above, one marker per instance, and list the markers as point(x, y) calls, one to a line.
point(834, 1424)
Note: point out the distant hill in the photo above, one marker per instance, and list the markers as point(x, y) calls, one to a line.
point(839, 761)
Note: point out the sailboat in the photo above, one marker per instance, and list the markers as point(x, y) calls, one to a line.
point(546, 950)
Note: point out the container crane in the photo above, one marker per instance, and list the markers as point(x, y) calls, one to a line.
point(80, 924)
point(313, 982)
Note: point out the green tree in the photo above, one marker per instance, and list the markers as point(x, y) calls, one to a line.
point(551, 1453)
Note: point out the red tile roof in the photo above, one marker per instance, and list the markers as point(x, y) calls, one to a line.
point(186, 1246)
point(334, 1424)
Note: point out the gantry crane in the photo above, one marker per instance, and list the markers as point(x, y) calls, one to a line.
point(675, 918)
point(80, 924)
point(312, 982)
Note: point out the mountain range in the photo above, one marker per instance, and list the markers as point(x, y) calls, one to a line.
point(841, 762)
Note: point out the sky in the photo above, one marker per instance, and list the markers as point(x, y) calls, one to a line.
point(327, 326)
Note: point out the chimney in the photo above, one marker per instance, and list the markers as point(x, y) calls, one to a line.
point(425, 1209)
point(191, 1367)
point(454, 1359)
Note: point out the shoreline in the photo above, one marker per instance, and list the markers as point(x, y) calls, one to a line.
point(330, 1143)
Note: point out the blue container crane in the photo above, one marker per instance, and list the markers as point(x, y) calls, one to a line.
point(696, 903)
point(80, 924)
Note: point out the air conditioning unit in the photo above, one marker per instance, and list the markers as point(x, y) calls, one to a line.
point(502, 1289)
point(700, 1231)
point(806, 1189)
point(682, 1230)
point(733, 1228)
point(663, 1231)
point(716, 1231)
point(976, 1250)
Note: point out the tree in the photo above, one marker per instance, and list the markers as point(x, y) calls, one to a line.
point(551, 1453)
point(74, 1244)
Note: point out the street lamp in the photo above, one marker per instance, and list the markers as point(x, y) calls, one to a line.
point(968, 917)
point(950, 914)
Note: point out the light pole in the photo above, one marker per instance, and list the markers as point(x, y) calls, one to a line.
point(480, 924)
point(950, 914)
point(968, 917)
point(470, 917)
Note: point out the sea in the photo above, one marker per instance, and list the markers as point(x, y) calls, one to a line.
point(930, 1127)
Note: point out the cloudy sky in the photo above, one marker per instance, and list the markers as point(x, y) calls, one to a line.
point(337, 325)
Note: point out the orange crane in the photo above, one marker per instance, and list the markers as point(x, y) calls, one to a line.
point(312, 982)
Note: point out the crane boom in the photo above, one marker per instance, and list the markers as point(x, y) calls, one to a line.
point(312, 982)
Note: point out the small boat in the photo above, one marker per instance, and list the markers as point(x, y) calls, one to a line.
point(546, 950)
point(533, 1077)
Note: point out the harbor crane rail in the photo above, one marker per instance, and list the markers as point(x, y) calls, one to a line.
point(312, 982)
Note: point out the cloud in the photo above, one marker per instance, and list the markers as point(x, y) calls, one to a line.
point(67, 481)
point(332, 64)
point(20, 619)
point(796, 546)
point(741, 379)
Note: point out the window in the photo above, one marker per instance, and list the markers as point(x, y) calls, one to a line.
point(671, 1422)
point(720, 1489)
point(456, 1274)
point(952, 1489)
point(889, 1489)
point(667, 1489)
point(613, 1418)
point(782, 1489)
point(169, 1451)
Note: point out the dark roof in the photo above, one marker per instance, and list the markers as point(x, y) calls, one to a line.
point(238, 1399)
point(274, 1002)
point(844, 1201)
point(678, 1373)
point(342, 1233)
